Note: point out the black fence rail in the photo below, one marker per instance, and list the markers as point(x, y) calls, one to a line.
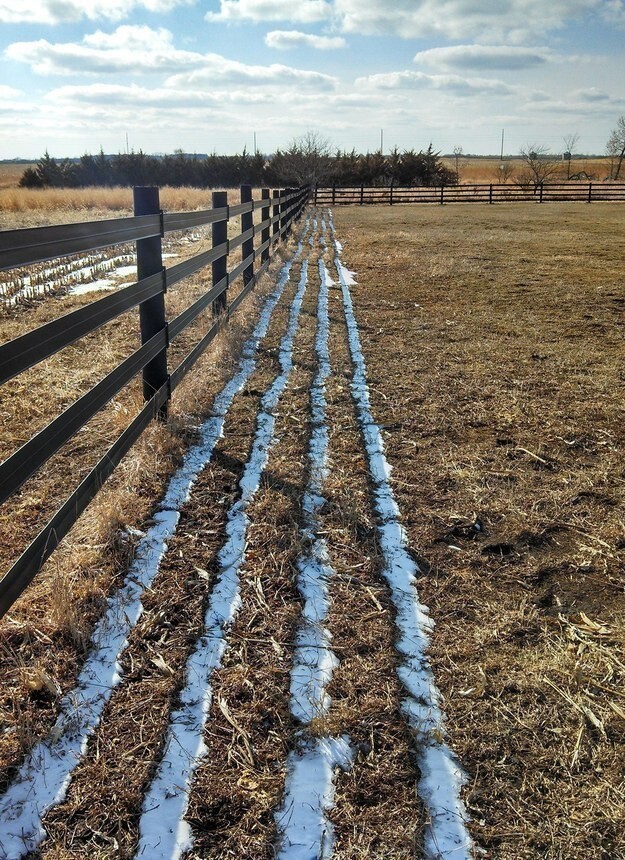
point(277, 212)
point(361, 195)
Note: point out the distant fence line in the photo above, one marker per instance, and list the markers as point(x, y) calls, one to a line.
point(362, 195)
point(278, 210)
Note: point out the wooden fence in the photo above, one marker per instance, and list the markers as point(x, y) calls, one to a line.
point(361, 195)
point(278, 210)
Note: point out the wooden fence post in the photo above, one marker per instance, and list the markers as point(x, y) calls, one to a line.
point(333, 193)
point(490, 193)
point(315, 195)
point(442, 194)
point(362, 194)
point(219, 237)
point(590, 192)
point(264, 216)
point(151, 312)
point(247, 222)
point(390, 196)
point(283, 208)
point(275, 209)
point(540, 196)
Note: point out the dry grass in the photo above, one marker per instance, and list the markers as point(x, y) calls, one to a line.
point(29, 207)
point(45, 633)
point(494, 341)
point(488, 170)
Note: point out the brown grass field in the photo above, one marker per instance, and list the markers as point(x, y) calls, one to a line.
point(487, 170)
point(494, 342)
point(493, 338)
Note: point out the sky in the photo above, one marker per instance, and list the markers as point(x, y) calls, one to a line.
point(219, 75)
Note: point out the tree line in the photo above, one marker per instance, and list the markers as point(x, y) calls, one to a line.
point(307, 161)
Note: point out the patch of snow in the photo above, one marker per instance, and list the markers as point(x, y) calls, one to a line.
point(44, 776)
point(164, 834)
point(309, 795)
point(303, 828)
point(446, 837)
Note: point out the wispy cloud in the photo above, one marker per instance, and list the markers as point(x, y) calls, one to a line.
point(485, 57)
point(285, 40)
point(298, 12)
point(454, 84)
point(71, 11)
point(497, 21)
point(129, 49)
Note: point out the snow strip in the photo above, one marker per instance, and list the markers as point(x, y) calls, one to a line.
point(441, 775)
point(313, 660)
point(43, 779)
point(164, 834)
point(303, 828)
point(309, 794)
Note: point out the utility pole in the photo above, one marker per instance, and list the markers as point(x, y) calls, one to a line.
point(255, 149)
point(502, 137)
point(381, 141)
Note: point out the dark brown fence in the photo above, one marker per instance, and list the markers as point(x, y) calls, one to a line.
point(149, 224)
point(361, 195)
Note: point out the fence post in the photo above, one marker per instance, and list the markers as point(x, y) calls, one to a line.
point(283, 208)
point(264, 216)
point(219, 236)
point(540, 197)
point(490, 193)
point(151, 312)
point(362, 194)
point(247, 221)
point(333, 193)
point(315, 195)
point(390, 196)
point(442, 194)
point(275, 209)
point(590, 192)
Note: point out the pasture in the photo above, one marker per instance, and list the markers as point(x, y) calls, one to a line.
point(493, 344)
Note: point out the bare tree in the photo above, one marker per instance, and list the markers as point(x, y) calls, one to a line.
point(539, 164)
point(307, 160)
point(457, 150)
point(503, 172)
point(616, 146)
point(570, 142)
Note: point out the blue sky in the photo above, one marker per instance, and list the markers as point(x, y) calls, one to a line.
point(205, 75)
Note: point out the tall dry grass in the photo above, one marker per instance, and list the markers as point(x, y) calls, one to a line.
point(488, 170)
point(33, 207)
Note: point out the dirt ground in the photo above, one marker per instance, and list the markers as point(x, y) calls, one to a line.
point(494, 342)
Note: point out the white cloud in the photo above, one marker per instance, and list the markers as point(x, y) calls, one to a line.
point(489, 20)
point(132, 95)
point(452, 84)
point(8, 92)
point(128, 49)
point(485, 57)
point(219, 70)
point(297, 11)
point(125, 51)
point(284, 40)
point(591, 94)
point(69, 11)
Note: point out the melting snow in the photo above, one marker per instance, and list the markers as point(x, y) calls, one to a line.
point(163, 831)
point(303, 828)
point(441, 775)
point(44, 776)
